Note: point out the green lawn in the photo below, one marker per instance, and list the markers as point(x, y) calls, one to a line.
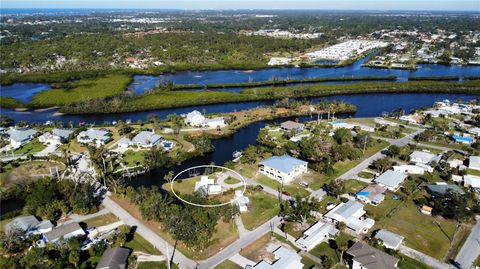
point(354, 186)
point(226, 264)
point(420, 231)
point(262, 208)
point(185, 186)
point(33, 146)
point(83, 90)
point(473, 172)
point(308, 263)
point(323, 249)
point(290, 188)
point(380, 211)
point(139, 243)
point(133, 158)
point(101, 220)
point(409, 263)
point(232, 180)
point(366, 175)
point(155, 265)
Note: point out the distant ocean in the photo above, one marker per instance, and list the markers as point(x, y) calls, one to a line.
point(61, 11)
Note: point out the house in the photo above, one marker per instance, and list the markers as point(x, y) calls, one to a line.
point(474, 131)
point(143, 139)
point(64, 232)
point(471, 181)
point(352, 214)
point(57, 136)
point(338, 124)
point(195, 118)
point(372, 194)
point(283, 168)
point(97, 137)
point(20, 137)
point(208, 186)
point(389, 239)
point(314, 235)
point(114, 258)
point(455, 163)
point(27, 224)
point(423, 157)
point(474, 163)
point(391, 180)
point(217, 122)
point(242, 201)
point(426, 210)
point(283, 258)
point(409, 169)
point(44, 227)
point(367, 257)
point(442, 189)
point(288, 126)
point(462, 139)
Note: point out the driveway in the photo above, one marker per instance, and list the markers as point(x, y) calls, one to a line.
point(470, 249)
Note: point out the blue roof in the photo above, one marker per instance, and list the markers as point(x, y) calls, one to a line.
point(284, 163)
point(363, 193)
point(462, 138)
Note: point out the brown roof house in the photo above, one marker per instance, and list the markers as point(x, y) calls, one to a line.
point(367, 257)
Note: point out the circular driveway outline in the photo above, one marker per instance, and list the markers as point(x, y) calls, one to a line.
point(206, 166)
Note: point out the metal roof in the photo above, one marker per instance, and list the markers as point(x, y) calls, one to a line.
point(146, 138)
point(21, 135)
point(391, 178)
point(23, 223)
point(389, 238)
point(284, 163)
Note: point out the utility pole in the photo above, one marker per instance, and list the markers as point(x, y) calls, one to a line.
point(365, 144)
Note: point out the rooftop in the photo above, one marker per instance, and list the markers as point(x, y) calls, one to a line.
point(62, 230)
point(23, 223)
point(284, 163)
point(146, 138)
point(114, 258)
point(391, 178)
point(389, 238)
point(371, 258)
point(444, 188)
point(20, 134)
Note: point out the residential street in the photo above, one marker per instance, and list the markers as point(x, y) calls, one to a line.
point(419, 256)
point(470, 249)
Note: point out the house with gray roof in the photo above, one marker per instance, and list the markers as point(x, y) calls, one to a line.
point(65, 231)
point(114, 258)
point(146, 139)
point(442, 189)
point(291, 125)
point(56, 136)
point(352, 214)
point(314, 235)
point(283, 168)
point(284, 258)
point(27, 224)
point(391, 180)
point(389, 239)
point(423, 157)
point(367, 257)
point(20, 137)
point(94, 136)
point(474, 163)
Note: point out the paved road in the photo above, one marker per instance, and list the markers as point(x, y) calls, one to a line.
point(236, 246)
point(148, 234)
point(470, 249)
point(419, 256)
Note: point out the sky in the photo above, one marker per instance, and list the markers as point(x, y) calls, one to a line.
point(454, 5)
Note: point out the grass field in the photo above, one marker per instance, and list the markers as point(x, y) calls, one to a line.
point(155, 265)
point(134, 158)
point(33, 169)
point(354, 186)
point(226, 264)
point(323, 249)
point(262, 208)
point(380, 211)
point(409, 263)
point(231, 180)
point(291, 188)
point(101, 220)
point(82, 90)
point(33, 146)
point(139, 243)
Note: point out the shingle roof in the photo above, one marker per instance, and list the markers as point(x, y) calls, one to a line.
point(62, 230)
point(391, 178)
point(371, 258)
point(95, 134)
point(146, 138)
point(292, 125)
point(114, 258)
point(63, 133)
point(23, 223)
point(284, 163)
point(443, 188)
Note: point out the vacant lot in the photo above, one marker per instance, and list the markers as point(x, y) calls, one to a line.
point(262, 208)
point(34, 169)
point(101, 220)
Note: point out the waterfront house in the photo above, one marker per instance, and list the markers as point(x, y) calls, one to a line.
point(114, 258)
point(93, 136)
point(283, 258)
point(363, 256)
point(217, 122)
point(338, 124)
point(389, 239)
point(20, 137)
point(283, 168)
point(288, 126)
point(423, 157)
point(316, 234)
point(242, 201)
point(65, 232)
point(208, 186)
point(146, 139)
point(57, 136)
point(474, 163)
point(391, 180)
point(372, 194)
point(195, 118)
point(352, 214)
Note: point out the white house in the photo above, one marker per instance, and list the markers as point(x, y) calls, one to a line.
point(242, 201)
point(367, 257)
point(391, 180)
point(65, 231)
point(20, 137)
point(372, 194)
point(474, 131)
point(338, 124)
point(389, 239)
point(97, 137)
point(284, 258)
point(195, 118)
point(474, 163)
point(57, 136)
point(423, 157)
point(455, 163)
point(217, 122)
point(409, 169)
point(208, 186)
point(471, 181)
point(283, 168)
point(352, 214)
point(314, 235)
